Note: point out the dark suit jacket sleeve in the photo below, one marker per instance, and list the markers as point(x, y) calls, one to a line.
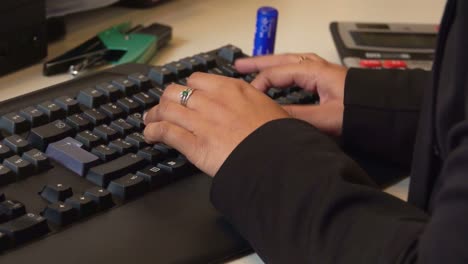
point(297, 198)
point(381, 112)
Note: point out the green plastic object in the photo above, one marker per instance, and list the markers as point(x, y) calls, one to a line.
point(137, 48)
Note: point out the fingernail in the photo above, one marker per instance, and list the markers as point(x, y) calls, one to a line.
point(144, 116)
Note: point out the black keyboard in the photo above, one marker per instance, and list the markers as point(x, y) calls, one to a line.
point(78, 183)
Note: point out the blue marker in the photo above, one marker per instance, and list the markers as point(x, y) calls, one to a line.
point(265, 32)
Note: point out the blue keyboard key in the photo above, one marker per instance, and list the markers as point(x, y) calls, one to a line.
point(68, 152)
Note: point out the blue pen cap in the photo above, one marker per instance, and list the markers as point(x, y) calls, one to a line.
point(265, 31)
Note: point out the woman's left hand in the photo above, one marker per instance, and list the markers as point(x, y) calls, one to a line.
point(220, 113)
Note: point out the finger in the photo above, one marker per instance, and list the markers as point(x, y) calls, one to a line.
point(256, 64)
point(174, 113)
point(211, 83)
point(197, 99)
point(303, 75)
point(175, 136)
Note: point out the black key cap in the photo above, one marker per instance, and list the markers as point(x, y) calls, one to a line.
point(176, 167)
point(122, 146)
point(161, 75)
point(91, 97)
point(41, 136)
point(112, 92)
point(54, 193)
point(103, 174)
point(4, 241)
point(136, 120)
point(2, 197)
point(128, 187)
point(38, 159)
point(250, 77)
point(106, 132)
point(6, 177)
point(229, 70)
point(122, 127)
point(95, 116)
point(60, 214)
point(83, 205)
point(216, 71)
point(17, 144)
point(129, 105)
point(25, 228)
point(283, 101)
point(5, 152)
point(112, 111)
point(156, 93)
point(51, 110)
point(152, 155)
point(69, 154)
point(275, 93)
point(141, 80)
point(126, 86)
point(78, 123)
point(207, 59)
point(105, 153)
point(154, 176)
point(230, 53)
point(68, 104)
point(179, 69)
point(145, 100)
point(10, 210)
point(14, 123)
point(137, 140)
point(19, 166)
point(169, 151)
point(182, 81)
point(89, 139)
point(100, 196)
point(299, 98)
point(194, 65)
point(34, 116)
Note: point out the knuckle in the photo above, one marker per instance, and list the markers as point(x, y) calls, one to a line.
point(163, 129)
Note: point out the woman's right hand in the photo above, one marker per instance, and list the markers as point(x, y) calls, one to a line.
point(309, 72)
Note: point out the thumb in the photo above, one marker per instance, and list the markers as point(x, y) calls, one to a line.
point(328, 118)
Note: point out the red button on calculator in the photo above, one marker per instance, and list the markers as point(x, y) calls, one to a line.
point(394, 64)
point(370, 63)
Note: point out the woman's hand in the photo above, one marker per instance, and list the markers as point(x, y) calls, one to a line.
point(220, 113)
point(309, 72)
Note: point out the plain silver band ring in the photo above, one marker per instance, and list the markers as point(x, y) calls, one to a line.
point(185, 96)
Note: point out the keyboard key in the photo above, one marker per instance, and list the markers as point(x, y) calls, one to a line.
point(38, 159)
point(216, 71)
point(154, 176)
point(69, 154)
point(68, 104)
point(102, 174)
point(91, 97)
point(179, 69)
point(41, 136)
point(17, 144)
point(126, 86)
point(51, 110)
point(137, 140)
point(83, 205)
point(230, 53)
point(100, 196)
point(229, 70)
point(283, 101)
point(54, 193)
point(249, 77)
point(206, 59)
point(2, 197)
point(156, 93)
point(34, 116)
point(60, 214)
point(136, 120)
point(105, 153)
point(169, 151)
point(141, 80)
point(95, 116)
point(161, 75)
point(5, 152)
point(128, 187)
point(106, 132)
point(25, 228)
point(152, 155)
point(129, 105)
point(112, 92)
point(275, 93)
point(122, 127)
point(121, 146)
point(112, 111)
point(14, 123)
point(19, 166)
point(182, 81)
point(301, 97)
point(78, 123)
point(194, 65)
point(10, 210)
point(6, 177)
point(89, 139)
point(4, 241)
point(145, 100)
point(176, 167)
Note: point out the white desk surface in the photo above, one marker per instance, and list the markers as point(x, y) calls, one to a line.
point(202, 25)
